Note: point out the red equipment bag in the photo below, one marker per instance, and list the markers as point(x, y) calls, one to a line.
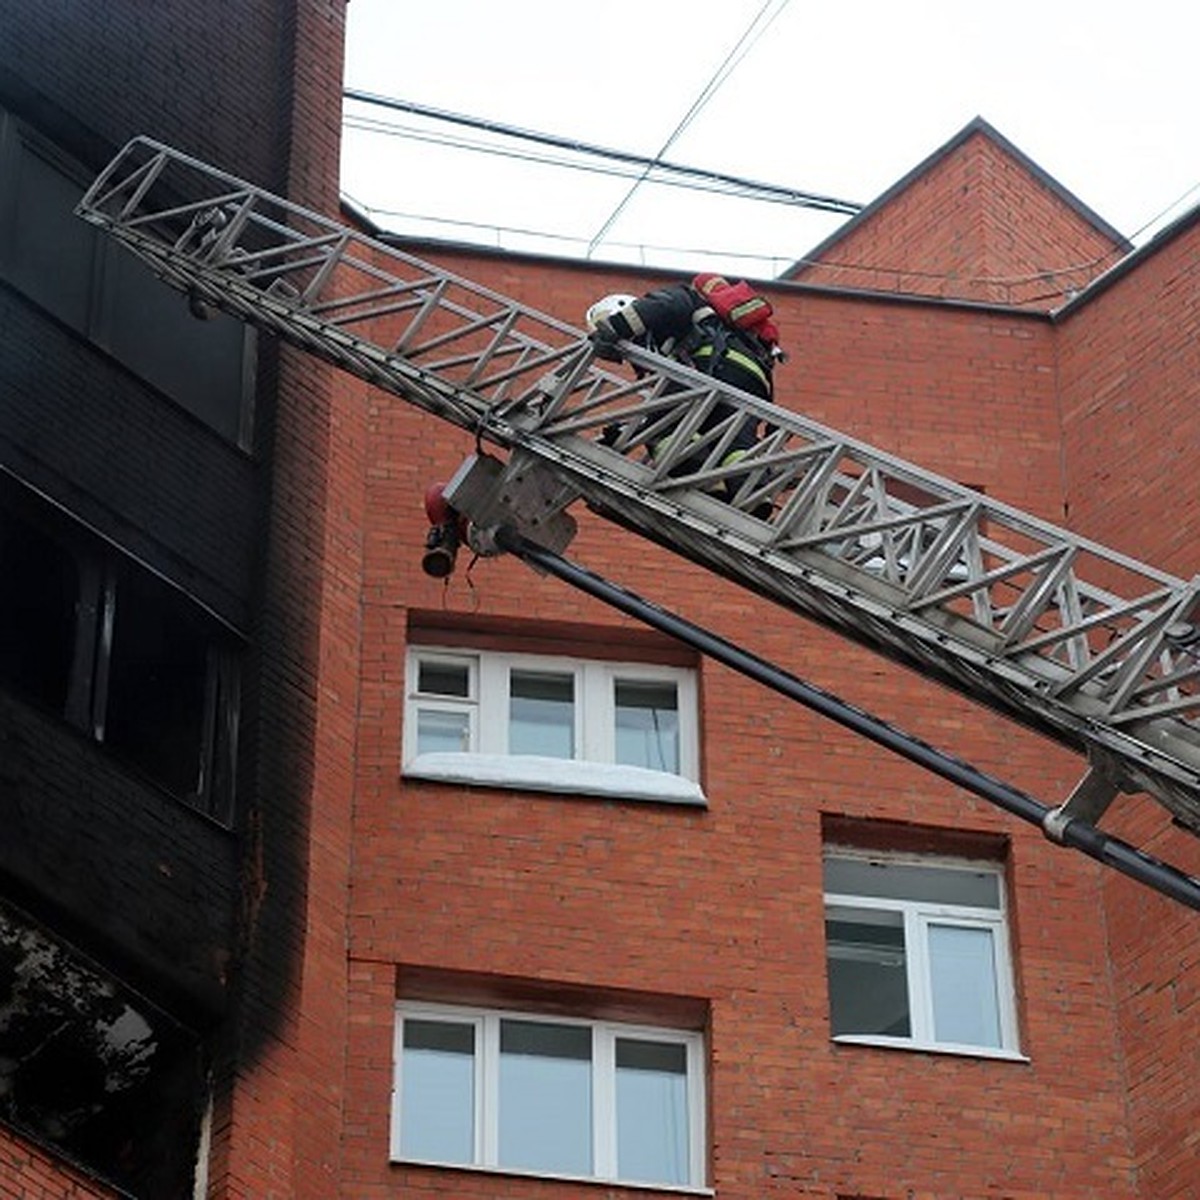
point(738, 305)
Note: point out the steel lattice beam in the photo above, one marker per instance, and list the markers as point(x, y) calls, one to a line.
point(1065, 635)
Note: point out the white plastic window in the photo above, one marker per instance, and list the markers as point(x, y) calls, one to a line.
point(548, 1096)
point(542, 715)
point(918, 953)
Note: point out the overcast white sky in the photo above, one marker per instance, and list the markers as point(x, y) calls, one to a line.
point(832, 98)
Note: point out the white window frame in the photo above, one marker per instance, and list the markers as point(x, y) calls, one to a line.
point(486, 759)
point(917, 916)
point(486, 1090)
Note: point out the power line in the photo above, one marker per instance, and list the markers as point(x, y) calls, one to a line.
point(761, 190)
point(701, 181)
point(662, 173)
point(963, 282)
point(735, 56)
point(566, 241)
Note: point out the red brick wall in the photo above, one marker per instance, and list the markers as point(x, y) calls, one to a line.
point(1129, 369)
point(28, 1172)
point(977, 225)
point(726, 904)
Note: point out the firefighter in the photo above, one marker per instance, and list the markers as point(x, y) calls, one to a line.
point(720, 329)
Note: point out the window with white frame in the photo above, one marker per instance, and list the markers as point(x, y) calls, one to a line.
point(918, 953)
point(548, 1096)
point(537, 720)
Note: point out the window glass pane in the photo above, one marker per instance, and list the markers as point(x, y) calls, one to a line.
point(443, 731)
point(541, 717)
point(52, 250)
point(39, 586)
point(545, 1097)
point(647, 717)
point(156, 685)
point(437, 1091)
point(52, 258)
point(868, 976)
point(197, 363)
point(979, 888)
point(652, 1114)
point(443, 679)
point(962, 968)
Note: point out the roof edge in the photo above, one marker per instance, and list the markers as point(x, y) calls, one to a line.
point(974, 126)
point(1177, 228)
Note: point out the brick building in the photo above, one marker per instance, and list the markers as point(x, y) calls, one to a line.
point(163, 495)
point(287, 952)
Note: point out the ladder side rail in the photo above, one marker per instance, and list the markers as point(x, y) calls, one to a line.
point(995, 510)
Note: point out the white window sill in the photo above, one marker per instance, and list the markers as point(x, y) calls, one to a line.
point(534, 773)
point(680, 1189)
point(886, 1043)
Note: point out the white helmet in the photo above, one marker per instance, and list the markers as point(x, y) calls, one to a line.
point(603, 309)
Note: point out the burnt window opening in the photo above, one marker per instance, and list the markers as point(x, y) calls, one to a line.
point(166, 681)
point(93, 1068)
point(39, 587)
point(103, 643)
point(101, 291)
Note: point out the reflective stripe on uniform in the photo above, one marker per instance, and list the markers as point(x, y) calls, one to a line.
point(743, 360)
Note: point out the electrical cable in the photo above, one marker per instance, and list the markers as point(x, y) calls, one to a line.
point(776, 262)
point(703, 181)
point(753, 187)
point(735, 56)
point(662, 173)
point(1177, 203)
point(773, 262)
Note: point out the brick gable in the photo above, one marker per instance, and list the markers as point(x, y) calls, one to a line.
point(975, 221)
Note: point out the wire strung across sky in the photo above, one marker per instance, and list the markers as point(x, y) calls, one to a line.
point(753, 32)
point(640, 168)
point(664, 172)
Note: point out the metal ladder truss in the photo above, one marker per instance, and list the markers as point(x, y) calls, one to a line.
point(1086, 645)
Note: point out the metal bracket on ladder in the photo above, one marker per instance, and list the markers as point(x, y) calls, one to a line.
point(1088, 802)
point(519, 493)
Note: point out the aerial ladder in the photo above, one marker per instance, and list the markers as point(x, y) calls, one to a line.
point(1076, 641)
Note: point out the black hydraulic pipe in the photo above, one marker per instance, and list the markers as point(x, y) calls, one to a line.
point(1109, 850)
